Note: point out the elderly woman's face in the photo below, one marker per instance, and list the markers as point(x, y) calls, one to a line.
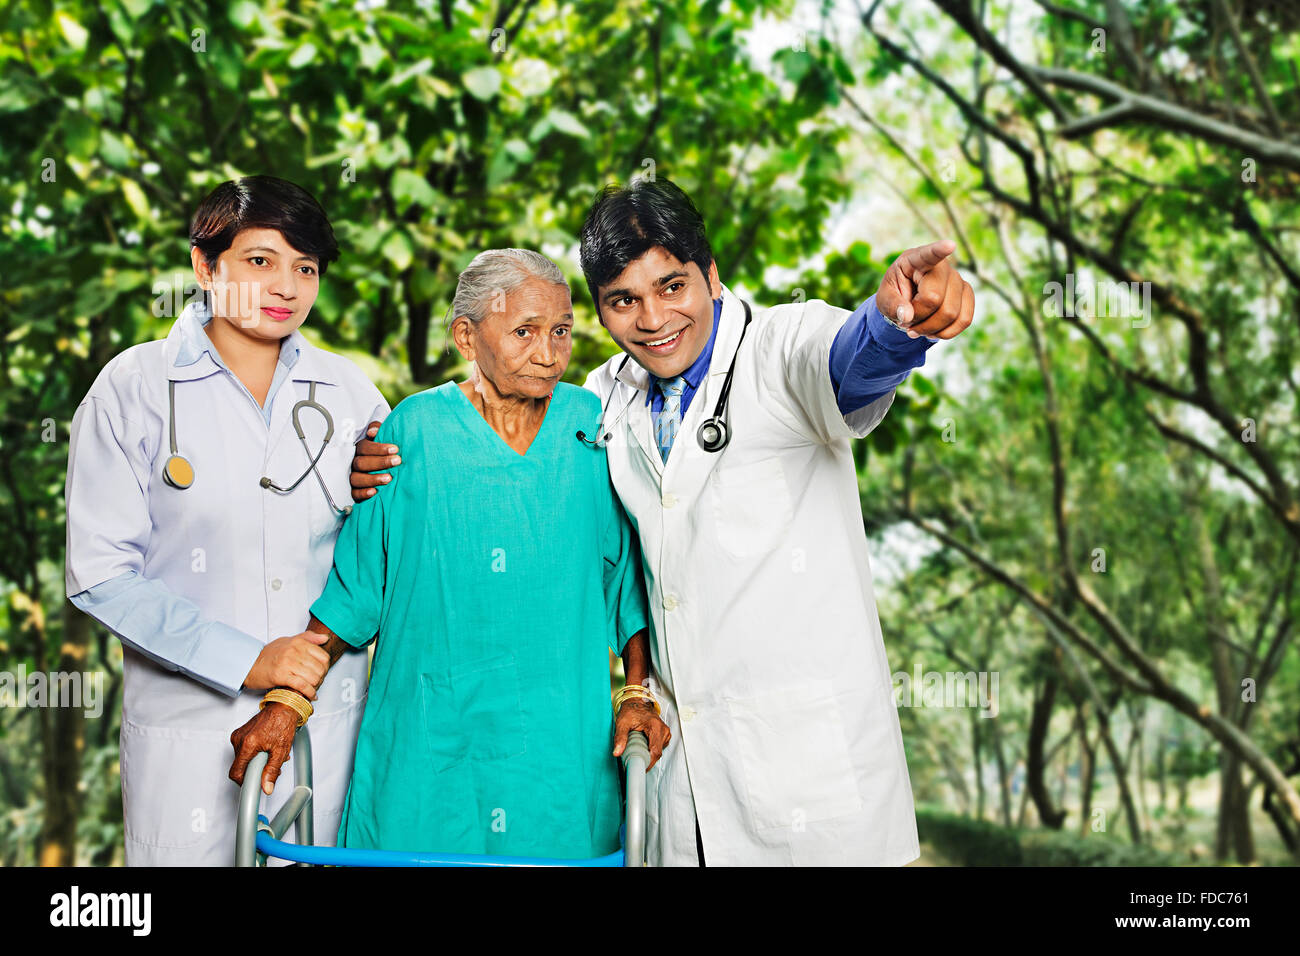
point(523, 347)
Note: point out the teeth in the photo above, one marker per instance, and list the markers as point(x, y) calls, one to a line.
point(669, 339)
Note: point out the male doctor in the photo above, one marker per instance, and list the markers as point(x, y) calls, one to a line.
point(766, 647)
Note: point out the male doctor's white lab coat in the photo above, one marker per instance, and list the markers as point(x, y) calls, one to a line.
point(766, 645)
point(244, 556)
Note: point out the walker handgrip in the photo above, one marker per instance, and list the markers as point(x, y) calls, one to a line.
point(636, 757)
point(250, 798)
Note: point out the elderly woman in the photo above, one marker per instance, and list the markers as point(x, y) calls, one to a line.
point(496, 574)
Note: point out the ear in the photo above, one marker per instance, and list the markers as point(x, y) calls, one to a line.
point(201, 270)
point(715, 284)
point(462, 333)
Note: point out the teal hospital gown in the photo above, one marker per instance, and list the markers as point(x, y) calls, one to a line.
point(494, 583)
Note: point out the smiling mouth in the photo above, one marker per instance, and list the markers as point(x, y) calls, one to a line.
point(666, 341)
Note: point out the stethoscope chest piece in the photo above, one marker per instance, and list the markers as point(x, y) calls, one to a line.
point(713, 435)
point(178, 472)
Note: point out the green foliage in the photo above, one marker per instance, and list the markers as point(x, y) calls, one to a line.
point(969, 842)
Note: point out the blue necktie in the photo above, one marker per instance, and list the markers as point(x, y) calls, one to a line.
point(670, 417)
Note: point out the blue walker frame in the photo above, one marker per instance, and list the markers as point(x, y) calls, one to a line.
point(257, 839)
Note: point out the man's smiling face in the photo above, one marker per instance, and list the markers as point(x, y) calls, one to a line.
point(660, 311)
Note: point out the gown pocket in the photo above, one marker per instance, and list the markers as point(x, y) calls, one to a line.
point(795, 756)
point(174, 791)
point(473, 712)
point(751, 506)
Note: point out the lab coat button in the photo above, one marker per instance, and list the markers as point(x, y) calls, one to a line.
point(687, 715)
point(669, 500)
point(275, 584)
point(670, 602)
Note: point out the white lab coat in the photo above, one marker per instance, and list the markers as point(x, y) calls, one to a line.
point(766, 645)
point(246, 556)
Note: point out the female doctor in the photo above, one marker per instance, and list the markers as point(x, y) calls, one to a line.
point(207, 480)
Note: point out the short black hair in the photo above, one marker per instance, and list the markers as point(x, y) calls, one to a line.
point(263, 202)
point(627, 221)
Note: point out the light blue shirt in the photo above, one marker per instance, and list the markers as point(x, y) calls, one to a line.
point(149, 617)
point(193, 346)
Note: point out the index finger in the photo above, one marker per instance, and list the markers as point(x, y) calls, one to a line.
point(368, 448)
point(924, 258)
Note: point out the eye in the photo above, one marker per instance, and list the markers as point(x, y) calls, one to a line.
point(308, 270)
point(521, 332)
point(562, 331)
point(673, 287)
point(258, 260)
point(624, 301)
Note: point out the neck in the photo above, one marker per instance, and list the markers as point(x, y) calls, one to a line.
point(240, 351)
point(507, 414)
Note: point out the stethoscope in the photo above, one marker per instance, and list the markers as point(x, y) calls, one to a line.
point(179, 473)
point(713, 435)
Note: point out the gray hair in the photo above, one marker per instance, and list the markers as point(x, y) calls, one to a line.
point(498, 272)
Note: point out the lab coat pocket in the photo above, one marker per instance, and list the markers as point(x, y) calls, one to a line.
point(473, 712)
point(751, 506)
point(795, 756)
point(175, 790)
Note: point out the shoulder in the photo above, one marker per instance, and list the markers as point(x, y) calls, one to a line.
point(599, 379)
point(786, 316)
point(125, 385)
point(579, 400)
point(417, 410)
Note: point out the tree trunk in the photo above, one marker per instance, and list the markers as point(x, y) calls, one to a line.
point(1035, 765)
point(65, 747)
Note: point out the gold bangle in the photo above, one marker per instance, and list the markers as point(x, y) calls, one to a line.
point(634, 691)
point(290, 698)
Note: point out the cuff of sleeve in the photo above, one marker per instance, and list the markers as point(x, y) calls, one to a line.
point(223, 658)
point(891, 336)
point(627, 628)
point(334, 615)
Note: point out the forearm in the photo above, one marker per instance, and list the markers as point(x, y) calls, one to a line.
point(636, 657)
point(334, 645)
point(870, 357)
point(171, 631)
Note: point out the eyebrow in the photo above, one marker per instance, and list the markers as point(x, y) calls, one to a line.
point(525, 319)
point(659, 283)
point(274, 252)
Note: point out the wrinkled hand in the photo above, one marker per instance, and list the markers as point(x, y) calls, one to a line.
point(923, 292)
point(371, 456)
point(640, 715)
point(272, 730)
point(296, 662)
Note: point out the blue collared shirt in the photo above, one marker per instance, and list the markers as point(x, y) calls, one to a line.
point(869, 358)
point(693, 375)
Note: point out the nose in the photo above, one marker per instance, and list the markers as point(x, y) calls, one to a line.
point(652, 316)
point(545, 355)
point(284, 283)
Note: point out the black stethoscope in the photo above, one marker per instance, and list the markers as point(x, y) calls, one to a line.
point(713, 435)
point(179, 473)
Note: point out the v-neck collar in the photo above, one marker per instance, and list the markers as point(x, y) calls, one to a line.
point(490, 433)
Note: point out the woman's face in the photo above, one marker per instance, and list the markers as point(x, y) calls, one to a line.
point(522, 347)
point(261, 285)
